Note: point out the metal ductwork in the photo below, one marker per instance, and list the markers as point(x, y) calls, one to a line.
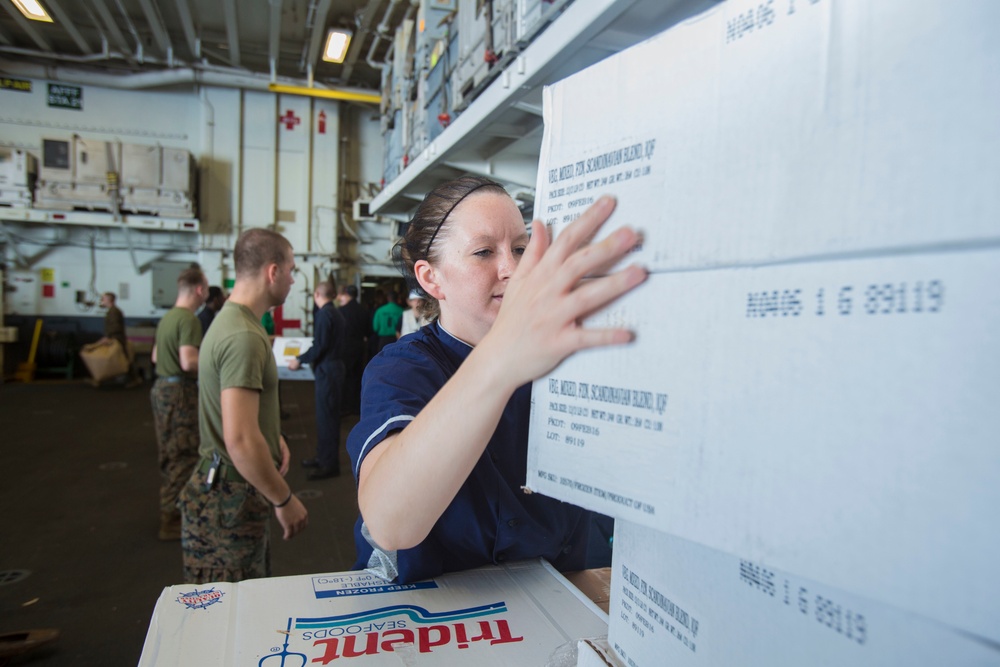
point(208, 76)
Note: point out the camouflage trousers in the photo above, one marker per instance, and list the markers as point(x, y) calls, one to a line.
point(175, 418)
point(224, 531)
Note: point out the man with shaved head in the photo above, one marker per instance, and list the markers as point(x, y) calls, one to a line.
point(226, 505)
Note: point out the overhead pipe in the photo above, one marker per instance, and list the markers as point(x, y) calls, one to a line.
point(381, 32)
point(139, 48)
point(204, 75)
point(364, 27)
point(331, 94)
point(274, 38)
point(109, 23)
point(156, 25)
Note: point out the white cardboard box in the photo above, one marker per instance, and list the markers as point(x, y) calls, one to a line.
point(674, 602)
point(516, 614)
point(285, 349)
point(765, 131)
point(816, 371)
point(849, 433)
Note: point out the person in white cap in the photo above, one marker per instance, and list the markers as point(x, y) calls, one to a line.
point(413, 318)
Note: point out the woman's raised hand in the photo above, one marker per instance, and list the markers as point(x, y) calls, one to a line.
point(539, 323)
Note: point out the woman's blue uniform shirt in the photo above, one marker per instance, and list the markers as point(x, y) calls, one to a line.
point(491, 519)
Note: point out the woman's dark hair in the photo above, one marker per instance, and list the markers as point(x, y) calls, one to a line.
point(427, 227)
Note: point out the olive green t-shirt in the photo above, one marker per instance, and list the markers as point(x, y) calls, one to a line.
point(236, 352)
point(178, 327)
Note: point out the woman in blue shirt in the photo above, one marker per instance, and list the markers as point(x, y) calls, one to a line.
point(440, 451)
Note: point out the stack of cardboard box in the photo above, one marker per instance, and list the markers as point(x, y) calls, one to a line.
point(800, 446)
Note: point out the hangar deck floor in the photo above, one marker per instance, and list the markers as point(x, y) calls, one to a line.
point(79, 513)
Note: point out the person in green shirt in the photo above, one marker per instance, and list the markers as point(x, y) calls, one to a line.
point(226, 504)
point(174, 396)
point(386, 320)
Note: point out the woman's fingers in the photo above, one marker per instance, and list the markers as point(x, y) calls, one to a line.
point(583, 229)
point(618, 248)
point(593, 294)
point(538, 244)
point(599, 257)
point(548, 295)
point(588, 338)
point(572, 256)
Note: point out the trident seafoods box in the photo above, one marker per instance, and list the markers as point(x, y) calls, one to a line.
point(674, 602)
point(517, 614)
point(814, 379)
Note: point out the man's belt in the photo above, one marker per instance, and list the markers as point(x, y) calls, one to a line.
point(223, 471)
point(176, 378)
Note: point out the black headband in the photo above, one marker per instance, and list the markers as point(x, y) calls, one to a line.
point(427, 251)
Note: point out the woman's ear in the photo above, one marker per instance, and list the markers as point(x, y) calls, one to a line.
point(427, 277)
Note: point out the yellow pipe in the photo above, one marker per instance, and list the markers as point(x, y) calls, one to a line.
point(34, 341)
point(370, 98)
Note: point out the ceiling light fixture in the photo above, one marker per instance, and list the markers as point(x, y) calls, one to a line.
point(337, 41)
point(33, 10)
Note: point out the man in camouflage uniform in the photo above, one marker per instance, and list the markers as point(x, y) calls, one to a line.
point(226, 505)
point(175, 395)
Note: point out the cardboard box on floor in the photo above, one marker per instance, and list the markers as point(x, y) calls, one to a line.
point(516, 614)
point(814, 380)
point(674, 602)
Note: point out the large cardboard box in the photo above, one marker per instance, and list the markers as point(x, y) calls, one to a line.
point(105, 360)
point(848, 434)
point(674, 602)
point(776, 131)
point(516, 614)
point(815, 372)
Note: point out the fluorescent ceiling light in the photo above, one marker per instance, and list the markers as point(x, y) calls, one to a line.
point(33, 10)
point(337, 41)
